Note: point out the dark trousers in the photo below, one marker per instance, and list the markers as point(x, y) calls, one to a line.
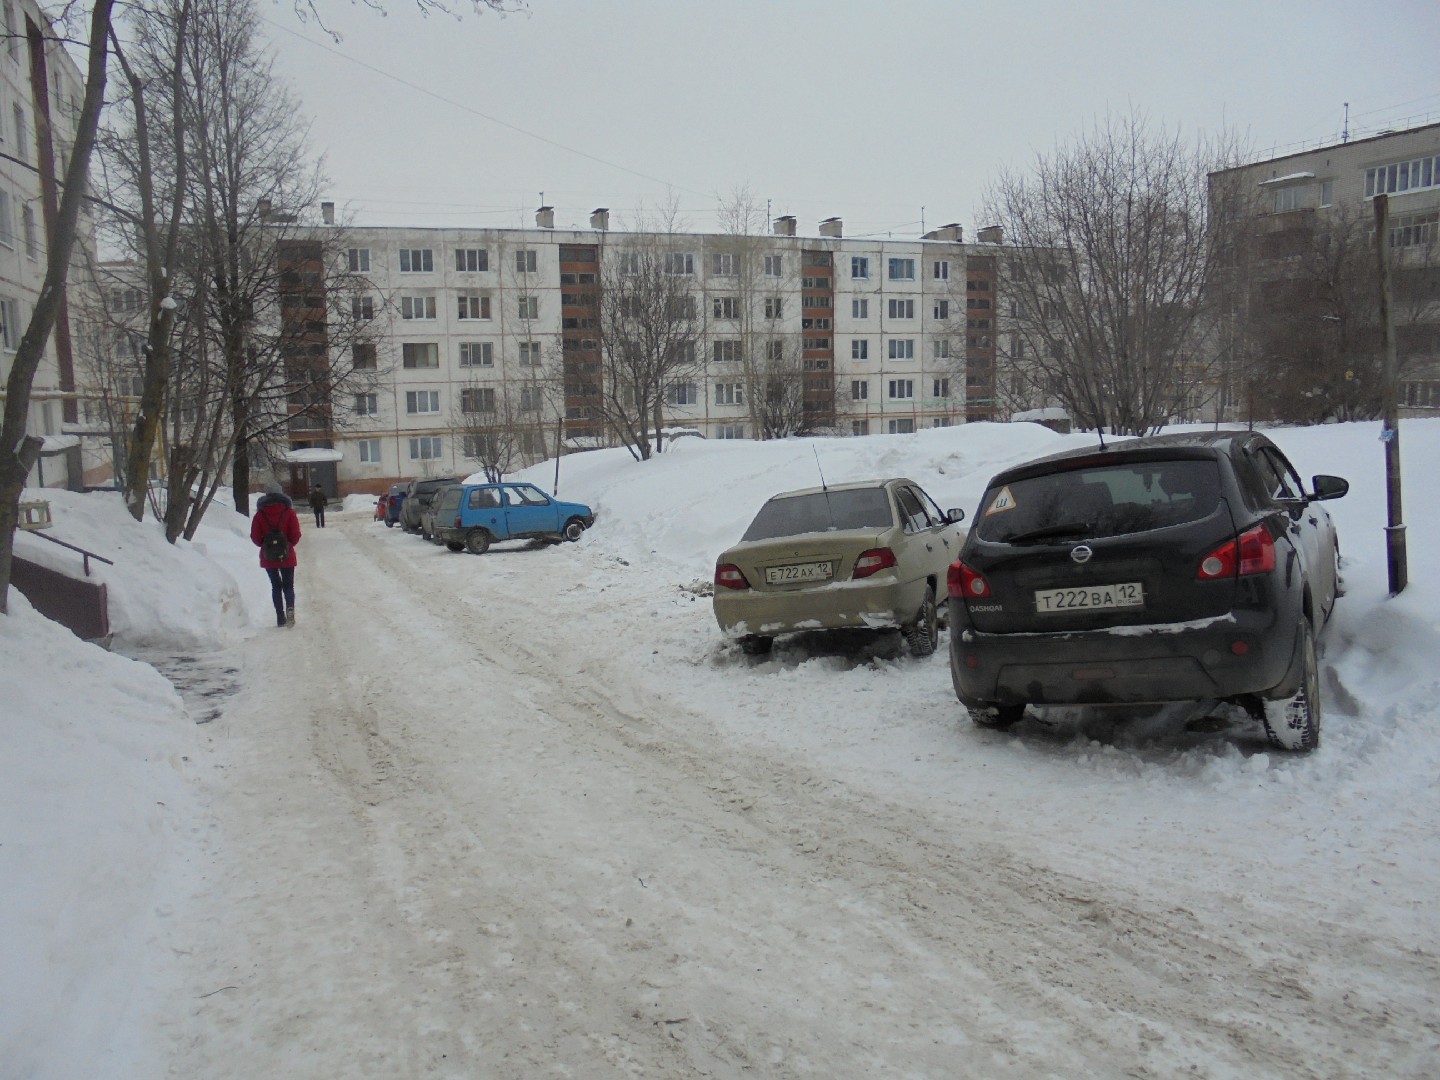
point(319, 515)
point(282, 587)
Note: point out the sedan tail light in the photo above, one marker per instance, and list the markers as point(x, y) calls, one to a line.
point(873, 561)
point(965, 583)
point(1252, 552)
point(730, 576)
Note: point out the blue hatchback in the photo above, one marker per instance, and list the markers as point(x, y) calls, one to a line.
point(471, 517)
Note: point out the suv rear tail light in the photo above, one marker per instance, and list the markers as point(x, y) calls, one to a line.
point(963, 582)
point(873, 561)
point(730, 576)
point(1252, 552)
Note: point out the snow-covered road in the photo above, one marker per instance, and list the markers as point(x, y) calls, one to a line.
point(520, 815)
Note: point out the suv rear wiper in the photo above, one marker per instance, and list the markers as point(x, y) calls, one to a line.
point(1068, 528)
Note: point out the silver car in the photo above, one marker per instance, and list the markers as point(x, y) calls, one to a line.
point(871, 554)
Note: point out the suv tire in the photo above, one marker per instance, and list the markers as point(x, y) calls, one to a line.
point(1293, 722)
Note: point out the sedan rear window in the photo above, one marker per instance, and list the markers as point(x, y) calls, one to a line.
point(790, 515)
point(1126, 497)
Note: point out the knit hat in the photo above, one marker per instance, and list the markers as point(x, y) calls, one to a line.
point(273, 488)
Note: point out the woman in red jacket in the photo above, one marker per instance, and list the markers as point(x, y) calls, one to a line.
point(275, 514)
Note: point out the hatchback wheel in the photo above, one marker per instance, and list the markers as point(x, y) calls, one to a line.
point(477, 542)
point(921, 635)
point(574, 529)
point(455, 545)
point(1293, 723)
point(756, 644)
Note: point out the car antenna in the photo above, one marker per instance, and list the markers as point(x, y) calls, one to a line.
point(1100, 433)
point(819, 469)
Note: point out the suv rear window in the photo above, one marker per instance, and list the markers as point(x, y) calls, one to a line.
point(1110, 500)
point(790, 515)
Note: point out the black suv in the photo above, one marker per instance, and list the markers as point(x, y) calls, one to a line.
point(418, 498)
point(1185, 567)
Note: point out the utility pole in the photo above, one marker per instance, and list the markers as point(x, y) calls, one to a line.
point(1390, 429)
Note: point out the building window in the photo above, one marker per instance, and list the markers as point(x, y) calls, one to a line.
point(730, 393)
point(27, 219)
point(485, 447)
point(474, 307)
point(815, 324)
point(726, 352)
point(859, 427)
point(1288, 198)
point(367, 405)
point(21, 136)
point(942, 388)
point(902, 269)
point(727, 307)
point(477, 399)
point(902, 388)
point(1415, 230)
point(1420, 394)
point(730, 431)
point(860, 349)
point(942, 269)
point(476, 354)
point(358, 260)
point(530, 353)
point(982, 303)
point(7, 225)
point(9, 323)
point(902, 348)
point(902, 309)
point(722, 265)
point(363, 356)
point(629, 262)
point(1327, 192)
point(526, 261)
point(859, 266)
point(942, 309)
point(859, 309)
point(679, 263)
point(369, 451)
point(417, 307)
point(420, 354)
point(774, 265)
point(362, 308)
point(422, 401)
point(416, 260)
point(815, 344)
point(902, 427)
point(528, 307)
point(472, 260)
point(682, 394)
point(860, 389)
point(426, 448)
point(774, 306)
point(1403, 176)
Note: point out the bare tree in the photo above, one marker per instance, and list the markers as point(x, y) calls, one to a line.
point(1115, 240)
point(651, 327)
point(18, 449)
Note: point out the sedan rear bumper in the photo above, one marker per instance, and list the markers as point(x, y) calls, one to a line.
point(867, 604)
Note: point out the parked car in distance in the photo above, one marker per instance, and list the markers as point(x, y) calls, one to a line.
point(871, 554)
point(418, 496)
point(394, 504)
point(427, 516)
point(381, 502)
point(1184, 567)
point(471, 517)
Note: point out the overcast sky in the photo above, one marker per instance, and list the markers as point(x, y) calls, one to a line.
point(882, 112)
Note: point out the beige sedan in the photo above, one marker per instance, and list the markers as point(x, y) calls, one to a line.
point(871, 554)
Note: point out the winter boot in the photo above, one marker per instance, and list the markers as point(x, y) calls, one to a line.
point(290, 617)
point(279, 618)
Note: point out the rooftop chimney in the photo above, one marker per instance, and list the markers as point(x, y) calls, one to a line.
point(262, 209)
point(327, 213)
point(785, 226)
point(832, 226)
point(952, 232)
point(600, 219)
point(992, 234)
point(545, 217)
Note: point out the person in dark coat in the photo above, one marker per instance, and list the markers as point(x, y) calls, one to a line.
point(276, 511)
point(317, 504)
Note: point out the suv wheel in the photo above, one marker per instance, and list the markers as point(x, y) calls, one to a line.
point(920, 635)
point(1293, 723)
point(756, 645)
point(999, 717)
point(477, 542)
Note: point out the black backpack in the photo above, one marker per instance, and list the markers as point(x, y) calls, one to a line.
point(275, 546)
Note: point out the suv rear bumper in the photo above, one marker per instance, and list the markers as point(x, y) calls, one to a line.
point(1244, 652)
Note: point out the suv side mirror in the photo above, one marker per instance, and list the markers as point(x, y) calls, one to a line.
point(955, 515)
point(1328, 487)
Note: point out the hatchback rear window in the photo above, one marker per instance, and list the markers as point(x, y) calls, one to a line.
point(1125, 497)
point(790, 515)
